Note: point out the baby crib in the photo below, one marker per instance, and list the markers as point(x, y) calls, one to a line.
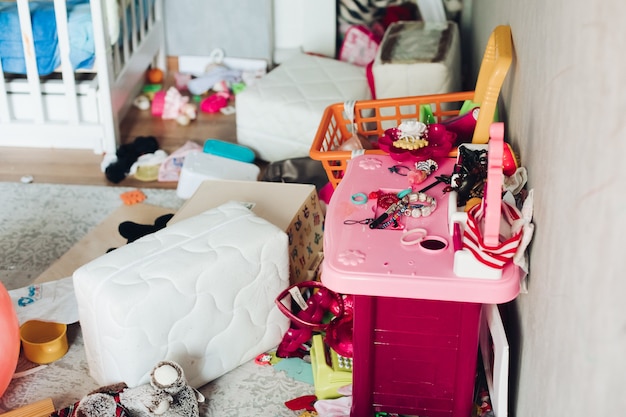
point(70, 69)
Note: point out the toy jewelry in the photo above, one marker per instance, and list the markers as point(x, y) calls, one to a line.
point(393, 221)
point(399, 169)
point(440, 179)
point(470, 174)
point(422, 170)
point(419, 236)
point(408, 237)
point(359, 198)
point(386, 200)
point(408, 204)
point(428, 166)
point(420, 205)
point(364, 221)
point(380, 219)
point(404, 193)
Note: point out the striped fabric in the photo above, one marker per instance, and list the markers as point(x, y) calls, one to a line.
point(494, 256)
point(363, 12)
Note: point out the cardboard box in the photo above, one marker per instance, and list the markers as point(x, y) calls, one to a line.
point(41, 408)
point(102, 238)
point(295, 208)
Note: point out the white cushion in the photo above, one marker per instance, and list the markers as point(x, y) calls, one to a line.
point(279, 115)
point(200, 292)
point(417, 58)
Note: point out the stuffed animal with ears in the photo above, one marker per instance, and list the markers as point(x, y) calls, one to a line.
point(167, 395)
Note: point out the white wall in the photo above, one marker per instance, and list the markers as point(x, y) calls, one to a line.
point(263, 29)
point(564, 102)
point(242, 28)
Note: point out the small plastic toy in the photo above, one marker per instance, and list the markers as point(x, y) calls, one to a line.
point(43, 341)
point(229, 150)
point(463, 125)
point(154, 76)
point(158, 102)
point(132, 197)
point(330, 370)
point(172, 105)
point(142, 102)
point(215, 102)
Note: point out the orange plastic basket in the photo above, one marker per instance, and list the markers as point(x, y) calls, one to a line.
point(373, 117)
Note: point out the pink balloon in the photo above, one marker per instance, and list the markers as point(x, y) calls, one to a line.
point(9, 339)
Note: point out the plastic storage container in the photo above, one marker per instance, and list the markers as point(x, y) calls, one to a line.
point(200, 166)
point(229, 150)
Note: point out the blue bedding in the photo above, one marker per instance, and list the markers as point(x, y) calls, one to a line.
point(45, 36)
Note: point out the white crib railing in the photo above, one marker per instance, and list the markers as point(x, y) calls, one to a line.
point(81, 110)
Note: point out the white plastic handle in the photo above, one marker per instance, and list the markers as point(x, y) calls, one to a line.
point(348, 108)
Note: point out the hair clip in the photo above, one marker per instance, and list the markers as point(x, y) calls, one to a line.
point(428, 166)
point(397, 168)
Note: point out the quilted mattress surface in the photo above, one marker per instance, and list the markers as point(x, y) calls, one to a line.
point(200, 292)
point(279, 115)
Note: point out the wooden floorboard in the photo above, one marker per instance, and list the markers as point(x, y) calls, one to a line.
point(63, 166)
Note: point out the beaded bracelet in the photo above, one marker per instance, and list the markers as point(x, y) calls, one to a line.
point(385, 200)
point(393, 220)
point(421, 205)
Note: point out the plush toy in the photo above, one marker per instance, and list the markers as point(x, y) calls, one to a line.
point(127, 154)
point(167, 395)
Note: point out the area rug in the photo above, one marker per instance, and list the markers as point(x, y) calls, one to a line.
point(38, 224)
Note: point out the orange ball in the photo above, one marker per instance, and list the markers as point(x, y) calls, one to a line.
point(10, 340)
point(155, 76)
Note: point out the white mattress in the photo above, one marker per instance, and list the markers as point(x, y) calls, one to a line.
point(200, 292)
point(279, 115)
point(417, 58)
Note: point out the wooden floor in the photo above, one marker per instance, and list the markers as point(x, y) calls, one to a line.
point(83, 166)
